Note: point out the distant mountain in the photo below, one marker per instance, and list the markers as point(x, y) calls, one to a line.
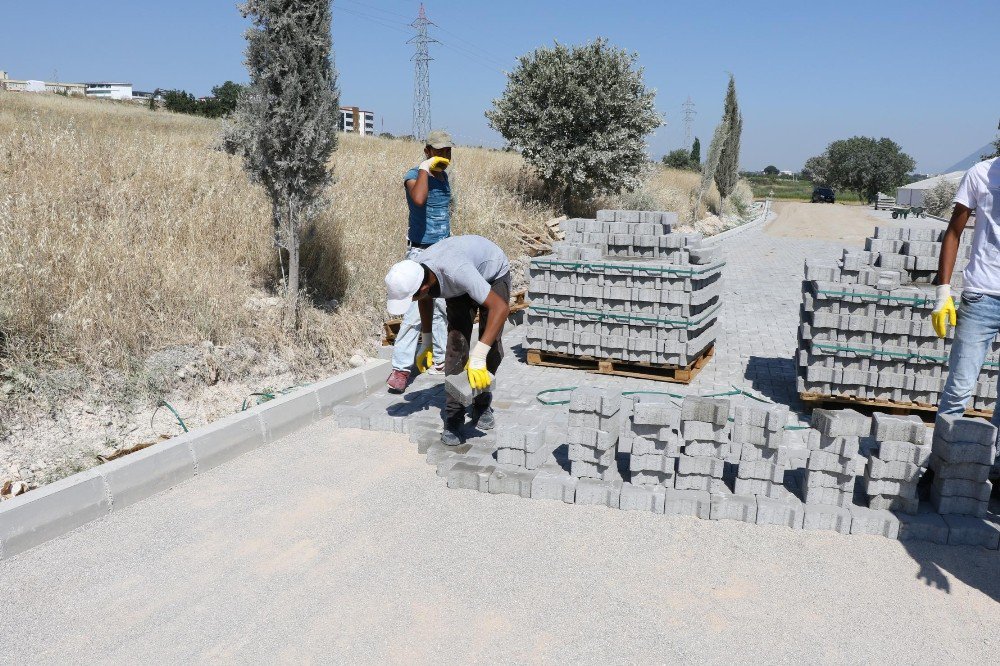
point(963, 165)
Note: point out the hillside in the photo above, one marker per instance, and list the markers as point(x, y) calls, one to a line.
point(138, 266)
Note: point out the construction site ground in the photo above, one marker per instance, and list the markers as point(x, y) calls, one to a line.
point(339, 542)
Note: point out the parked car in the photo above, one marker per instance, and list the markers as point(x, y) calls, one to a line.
point(823, 194)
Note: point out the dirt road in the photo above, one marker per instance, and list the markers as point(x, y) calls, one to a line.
point(836, 222)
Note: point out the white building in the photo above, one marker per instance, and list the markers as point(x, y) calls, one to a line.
point(913, 194)
point(107, 90)
point(357, 121)
point(32, 85)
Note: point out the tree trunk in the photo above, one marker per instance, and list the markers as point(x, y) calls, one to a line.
point(292, 289)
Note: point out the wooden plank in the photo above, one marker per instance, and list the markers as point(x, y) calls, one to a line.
point(924, 410)
point(605, 366)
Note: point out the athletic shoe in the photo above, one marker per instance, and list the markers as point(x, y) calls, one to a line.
point(397, 381)
point(484, 420)
point(436, 369)
point(452, 433)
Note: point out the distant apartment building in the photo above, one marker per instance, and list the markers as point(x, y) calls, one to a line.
point(357, 121)
point(33, 85)
point(108, 90)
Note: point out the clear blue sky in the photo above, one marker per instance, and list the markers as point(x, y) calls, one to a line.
point(807, 72)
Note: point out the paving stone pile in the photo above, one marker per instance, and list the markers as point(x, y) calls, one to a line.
point(865, 328)
point(759, 436)
point(625, 287)
point(897, 463)
point(963, 452)
point(707, 458)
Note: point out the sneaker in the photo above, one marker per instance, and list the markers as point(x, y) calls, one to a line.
point(484, 420)
point(451, 435)
point(436, 369)
point(397, 381)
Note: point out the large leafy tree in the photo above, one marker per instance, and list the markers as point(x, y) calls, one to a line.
point(580, 116)
point(285, 124)
point(728, 172)
point(867, 166)
point(817, 169)
point(678, 159)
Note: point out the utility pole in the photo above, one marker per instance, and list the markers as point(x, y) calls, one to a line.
point(689, 114)
point(421, 76)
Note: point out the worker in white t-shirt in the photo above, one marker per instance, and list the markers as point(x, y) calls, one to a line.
point(978, 315)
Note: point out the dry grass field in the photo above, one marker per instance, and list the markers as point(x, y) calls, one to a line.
point(137, 264)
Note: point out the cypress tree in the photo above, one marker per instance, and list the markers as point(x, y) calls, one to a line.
point(285, 124)
point(729, 161)
point(696, 154)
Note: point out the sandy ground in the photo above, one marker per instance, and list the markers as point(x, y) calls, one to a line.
point(343, 545)
point(834, 222)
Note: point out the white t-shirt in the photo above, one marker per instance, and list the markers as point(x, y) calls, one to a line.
point(980, 191)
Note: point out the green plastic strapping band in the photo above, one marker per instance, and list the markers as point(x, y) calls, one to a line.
point(894, 354)
point(688, 272)
point(538, 396)
point(624, 317)
point(917, 300)
point(177, 416)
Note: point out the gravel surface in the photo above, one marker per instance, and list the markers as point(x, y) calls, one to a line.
point(343, 544)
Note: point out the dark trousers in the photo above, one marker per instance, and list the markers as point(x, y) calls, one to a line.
point(461, 312)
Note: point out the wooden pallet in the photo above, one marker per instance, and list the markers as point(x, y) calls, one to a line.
point(604, 366)
point(868, 405)
point(390, 329)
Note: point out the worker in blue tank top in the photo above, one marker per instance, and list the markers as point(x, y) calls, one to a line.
point(428, 197)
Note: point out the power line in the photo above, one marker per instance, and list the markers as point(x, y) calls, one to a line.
point(376, 8)
point(385, 23)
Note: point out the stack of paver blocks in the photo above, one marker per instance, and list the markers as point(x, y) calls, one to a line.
point(897, 463)
point(834, 464)
point(594, 429)
point(759, 434)
point(865, 322)
point(705, 433)
point(652, 439)
point(963, 452)
point(624, 287)
point(528, 446)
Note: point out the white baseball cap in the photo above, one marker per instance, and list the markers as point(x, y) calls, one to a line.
point(401, 283)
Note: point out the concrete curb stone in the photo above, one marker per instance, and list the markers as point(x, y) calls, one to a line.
point(55, 509)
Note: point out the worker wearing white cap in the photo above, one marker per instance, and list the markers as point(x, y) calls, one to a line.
point(472, 274)
point(428, 197)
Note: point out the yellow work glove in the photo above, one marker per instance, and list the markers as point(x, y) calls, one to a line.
point(436, 164)
point(425, 358)
point(944, 311)
point(479, 376)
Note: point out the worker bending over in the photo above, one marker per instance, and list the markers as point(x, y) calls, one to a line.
point(472, 274)
point(978, 316)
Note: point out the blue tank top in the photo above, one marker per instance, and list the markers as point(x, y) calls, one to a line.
point(431, 222)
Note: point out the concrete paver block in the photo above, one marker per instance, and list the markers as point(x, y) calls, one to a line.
point(923, 526)
point(641, 498)
point(972, 531)
point(511, 481)
point(873, 521)
point(554, 485)
point(696, 503)
point(597, 491)
point(726, 506)
point(824, 517)
point(470, 476)
point(789, 512)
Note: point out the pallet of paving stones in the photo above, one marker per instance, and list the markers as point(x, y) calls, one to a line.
point(709, 458)
point(623, 289)
point(924, 411)
point(865, 329)
point(662, 373)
